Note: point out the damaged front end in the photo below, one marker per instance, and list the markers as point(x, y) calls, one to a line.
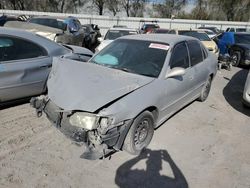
point(99, 134)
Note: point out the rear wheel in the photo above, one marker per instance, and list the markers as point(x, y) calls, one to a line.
point(205, 90)
point(235, 58)
point(140, 133)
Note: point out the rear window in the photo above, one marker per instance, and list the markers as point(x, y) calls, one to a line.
point(198, 35)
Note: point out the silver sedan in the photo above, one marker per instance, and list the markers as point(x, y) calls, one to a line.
point(26, 60)
point(128, 89)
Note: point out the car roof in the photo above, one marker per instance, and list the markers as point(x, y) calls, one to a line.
point(53, 17)
point(122, 29)
point(166, 38)
point(51, 47)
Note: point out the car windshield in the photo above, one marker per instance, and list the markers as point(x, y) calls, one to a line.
point(134, 56)
point(245, 39)
point(55, 23)
point(198, 35)
point(114, 34)
point(209, 32)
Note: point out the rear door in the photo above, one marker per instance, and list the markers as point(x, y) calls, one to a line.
point(24, 68)
point(199, 65)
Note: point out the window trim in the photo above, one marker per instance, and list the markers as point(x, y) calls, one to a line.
point(46, 54)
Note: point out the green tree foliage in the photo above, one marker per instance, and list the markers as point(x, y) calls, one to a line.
point(168, 8)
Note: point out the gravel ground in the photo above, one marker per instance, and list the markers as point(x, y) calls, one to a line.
point(204, 145)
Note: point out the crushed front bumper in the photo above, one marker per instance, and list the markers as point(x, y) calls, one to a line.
point(97, 143)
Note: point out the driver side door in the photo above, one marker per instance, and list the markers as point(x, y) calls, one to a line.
point(177, 92)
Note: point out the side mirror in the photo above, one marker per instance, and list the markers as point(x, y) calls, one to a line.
point(100, 39)
point(177, 71)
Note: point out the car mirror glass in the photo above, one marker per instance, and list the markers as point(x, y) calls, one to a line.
point(177, 71)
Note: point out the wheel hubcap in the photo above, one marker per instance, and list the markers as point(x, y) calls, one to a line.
point(141, 133)
point(234, 59)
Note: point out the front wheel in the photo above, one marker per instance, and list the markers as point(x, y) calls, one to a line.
point(205, 90)
point(235, 58)
point(140, 133)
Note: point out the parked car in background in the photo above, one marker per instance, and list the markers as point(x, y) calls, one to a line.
point(210, 33)
point(237, 45)
point(202, 36)
point(61, 30)
point(5, 18)
point(114, 33)
point(111, 102)
point(146, 26)
point(214, 29)
point(237, 29)
point(160, 31)
point(246, 92)
point(26, 60)
point(91, 35)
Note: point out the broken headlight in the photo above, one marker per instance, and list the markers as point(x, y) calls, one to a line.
point(84, 120)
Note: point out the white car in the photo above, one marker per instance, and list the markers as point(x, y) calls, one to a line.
point(246, 93)
point(114, 33)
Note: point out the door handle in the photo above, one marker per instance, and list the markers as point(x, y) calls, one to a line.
point(45, 66)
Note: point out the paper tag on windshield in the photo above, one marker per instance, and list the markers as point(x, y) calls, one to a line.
point(159, 46)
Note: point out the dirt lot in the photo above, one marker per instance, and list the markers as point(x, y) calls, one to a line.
point(204, 145)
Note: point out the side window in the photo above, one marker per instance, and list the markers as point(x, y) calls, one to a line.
point(204, 52)
point(15, 49)
point(179, 56)
point(195, 52)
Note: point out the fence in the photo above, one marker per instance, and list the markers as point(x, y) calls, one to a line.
point(106, 22)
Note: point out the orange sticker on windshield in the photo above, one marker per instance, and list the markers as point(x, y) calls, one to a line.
point(159, 46)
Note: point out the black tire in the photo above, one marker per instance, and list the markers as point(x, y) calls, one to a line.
point(139, 134)
point(205, 90)
point(235, 58)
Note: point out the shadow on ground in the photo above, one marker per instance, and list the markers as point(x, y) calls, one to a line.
point(151, 177)
point(234, 90)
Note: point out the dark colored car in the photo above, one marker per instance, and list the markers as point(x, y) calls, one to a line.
point(92, 32)
point(71, 30)
point(237, 45)
point(160, 31)
point(4, 19)
point(148, 27)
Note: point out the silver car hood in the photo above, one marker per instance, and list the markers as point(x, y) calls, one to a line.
point(73, 85)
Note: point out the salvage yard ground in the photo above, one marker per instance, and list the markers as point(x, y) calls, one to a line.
point(204, 145)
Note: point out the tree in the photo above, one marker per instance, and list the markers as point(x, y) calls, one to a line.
point(169, 8)
point(113, 6)
point(99, 4)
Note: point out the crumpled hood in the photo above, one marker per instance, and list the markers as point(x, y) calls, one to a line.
point(73, 85)
point(48, 32)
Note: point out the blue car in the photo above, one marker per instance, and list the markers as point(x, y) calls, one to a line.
point(237, 45)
